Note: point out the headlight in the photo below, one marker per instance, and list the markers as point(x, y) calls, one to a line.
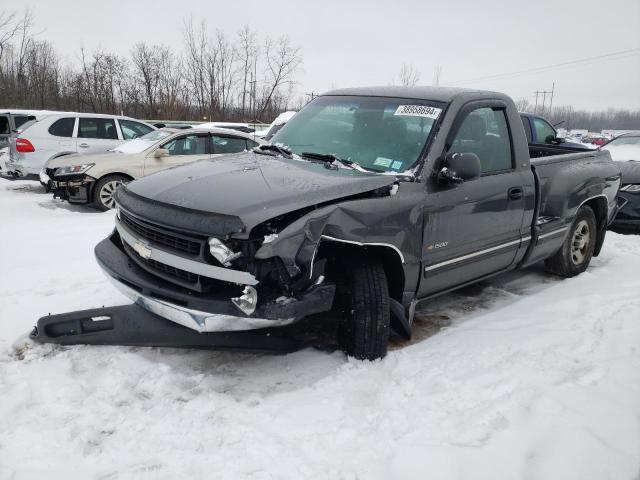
point(73, 170)
point(221, 252)
point(631, 188)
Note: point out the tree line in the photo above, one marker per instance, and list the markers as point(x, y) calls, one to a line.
point(571, 118)
point(215, 76)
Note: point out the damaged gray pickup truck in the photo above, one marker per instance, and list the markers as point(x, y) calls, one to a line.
point(368, 202)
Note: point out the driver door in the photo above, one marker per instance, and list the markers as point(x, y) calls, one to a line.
point(473, 228)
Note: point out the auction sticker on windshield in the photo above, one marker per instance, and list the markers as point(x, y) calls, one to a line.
point(418, 111)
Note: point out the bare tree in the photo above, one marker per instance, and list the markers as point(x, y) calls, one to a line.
point(523, 105)
point(146, 61)
point(247, 52)
point(282, 61)
point(409, 75)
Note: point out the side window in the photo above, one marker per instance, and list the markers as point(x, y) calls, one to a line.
point(484, 132)
point(20, 120)
point(102, 128)
point(187, 145)
point(544, 132)
point(228, 144)
point(527, 128)
point(63, 127)
point(4, 125)
point(131, 129)
point(251, 144)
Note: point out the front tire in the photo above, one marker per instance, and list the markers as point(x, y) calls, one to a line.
point(104, 190)
point(364, 329)
point(576, 252)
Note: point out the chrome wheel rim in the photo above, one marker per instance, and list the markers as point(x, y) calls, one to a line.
point(580, 242)
point(107, 191)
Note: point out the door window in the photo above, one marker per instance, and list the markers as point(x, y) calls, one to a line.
point(228, 144)
point(20, 120)
point(544, 132)
point(187, 145)
point(4, 125)
point(484, 132)
point(131, 129)
point(63, 127)
point(102, 128)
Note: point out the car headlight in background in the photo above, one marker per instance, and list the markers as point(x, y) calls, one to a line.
point(631, 188)
point(73, 170)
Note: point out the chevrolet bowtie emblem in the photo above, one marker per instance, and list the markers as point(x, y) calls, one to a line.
point(143, 250)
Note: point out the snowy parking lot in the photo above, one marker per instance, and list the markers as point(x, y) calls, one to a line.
point(526, 376)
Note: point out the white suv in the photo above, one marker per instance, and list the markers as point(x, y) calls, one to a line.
point(62, 134)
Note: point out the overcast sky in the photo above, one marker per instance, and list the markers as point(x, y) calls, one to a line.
point(355, 43)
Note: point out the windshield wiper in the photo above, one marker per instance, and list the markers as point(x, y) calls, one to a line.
point(330, 158)
point(263, 149)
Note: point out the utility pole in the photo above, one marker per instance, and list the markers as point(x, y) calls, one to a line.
point(544, 94)
point(311, 96)
point(535, 109)
point(553, 88)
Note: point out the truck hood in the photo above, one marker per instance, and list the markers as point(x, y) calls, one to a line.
point(245, 189)
point(630, 172)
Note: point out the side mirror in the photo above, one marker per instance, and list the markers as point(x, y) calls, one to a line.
point(558, 140)
point(161, 152)
point(459, 167)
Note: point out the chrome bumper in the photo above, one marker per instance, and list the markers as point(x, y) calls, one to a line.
point(195, 319)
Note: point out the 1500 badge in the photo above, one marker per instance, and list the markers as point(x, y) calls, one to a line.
point(437, 245)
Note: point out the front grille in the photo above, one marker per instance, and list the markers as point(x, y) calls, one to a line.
point(167, 272)
point(160, 236)
point(171, 271)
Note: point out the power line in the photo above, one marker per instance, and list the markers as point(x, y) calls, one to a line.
point(620, 54)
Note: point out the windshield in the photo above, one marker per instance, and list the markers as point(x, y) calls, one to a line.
point(379, 133)
point(140, 144)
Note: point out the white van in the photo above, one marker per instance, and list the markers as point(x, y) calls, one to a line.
point(66, 133)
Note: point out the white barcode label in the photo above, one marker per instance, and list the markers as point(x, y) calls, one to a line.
point(418, 111)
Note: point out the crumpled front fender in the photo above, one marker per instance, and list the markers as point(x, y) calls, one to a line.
point(393, 221)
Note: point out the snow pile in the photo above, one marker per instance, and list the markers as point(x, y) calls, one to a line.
point(526, 376)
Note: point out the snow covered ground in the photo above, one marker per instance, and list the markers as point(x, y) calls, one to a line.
point(523, 377)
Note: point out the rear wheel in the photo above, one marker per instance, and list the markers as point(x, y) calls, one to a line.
point(364, 329)
point(104, 190)
point(576, 252)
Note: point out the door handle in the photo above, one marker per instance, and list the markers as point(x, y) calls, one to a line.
point(84, 145)
point(515, 193)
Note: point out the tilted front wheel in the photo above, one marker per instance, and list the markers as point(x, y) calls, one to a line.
point(576, 252)
point(364, 328)
point(104, 190)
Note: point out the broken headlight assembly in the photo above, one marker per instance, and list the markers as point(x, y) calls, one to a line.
point(631, 188)
point(221, 252)
point(73, 170)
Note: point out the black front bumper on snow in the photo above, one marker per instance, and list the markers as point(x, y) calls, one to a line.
point(166, 315)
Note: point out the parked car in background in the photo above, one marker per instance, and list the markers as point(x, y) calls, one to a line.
point(67, 133)
point(540, 133)
point(4, 156)
point(241, 127)
point(94, 178)
point(12, 119)
point(625, 149)
point(279, 122)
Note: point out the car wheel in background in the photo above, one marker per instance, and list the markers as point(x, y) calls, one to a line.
point(104, 190)
point(576, 252)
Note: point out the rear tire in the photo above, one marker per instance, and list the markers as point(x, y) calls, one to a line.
point(576, 252)
point(364, 329)
point(104, 190)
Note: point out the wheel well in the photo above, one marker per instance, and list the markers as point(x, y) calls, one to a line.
point(336, 253)
point(93, 185)
point(599, 207)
